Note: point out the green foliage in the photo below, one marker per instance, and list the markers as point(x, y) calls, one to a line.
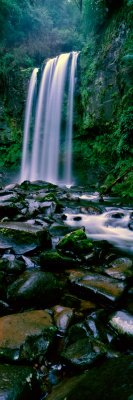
point(10, 153)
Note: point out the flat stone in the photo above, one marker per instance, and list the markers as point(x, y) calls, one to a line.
point(121, 268)
point(122, 323)
point(25, 336)
point(16, 382)
point(23, 237)
point(34, 289)
point(98, 285)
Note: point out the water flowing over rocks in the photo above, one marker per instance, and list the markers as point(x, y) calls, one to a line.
point(65, 295)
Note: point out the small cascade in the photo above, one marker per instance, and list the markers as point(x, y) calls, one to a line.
point(28, 115)
point(57, 83)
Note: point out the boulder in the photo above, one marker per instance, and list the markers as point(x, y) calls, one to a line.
point(120, 268)
point(18, 382)
point(63, 317)
point(113, 380)
point(83, 353)
point(54, 259)
point(23, 237)
point(11, 265)
point(75, 242)
point(8, 209)
point(98, 286)
point(34, 289)
point(122, 323)
point(26, 336)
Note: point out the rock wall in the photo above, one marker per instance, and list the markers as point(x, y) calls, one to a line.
point(102, 138)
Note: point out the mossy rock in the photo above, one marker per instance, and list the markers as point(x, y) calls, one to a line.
point(75, 242)
point(55, 260)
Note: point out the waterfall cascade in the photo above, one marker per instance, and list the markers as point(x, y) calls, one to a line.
point(56, 93)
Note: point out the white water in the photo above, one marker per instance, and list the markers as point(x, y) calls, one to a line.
point(28, 115)
point(51, 145)
point(44, 161)
point(69, 127)
point(39, 119)
point(107, 227)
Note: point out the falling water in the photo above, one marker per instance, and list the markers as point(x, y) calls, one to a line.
point(28, 113)
point(50, 154)
point(69, 127)
point(46, 142)
point(40, 113)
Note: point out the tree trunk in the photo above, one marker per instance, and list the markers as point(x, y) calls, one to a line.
point(118, 180)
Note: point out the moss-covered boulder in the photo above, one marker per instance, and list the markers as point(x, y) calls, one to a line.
point(53, 259)
point(75, 242)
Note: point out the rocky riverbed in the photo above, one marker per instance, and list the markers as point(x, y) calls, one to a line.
point(66, 285)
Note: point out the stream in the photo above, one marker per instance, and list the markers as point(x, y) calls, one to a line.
point(65, 292)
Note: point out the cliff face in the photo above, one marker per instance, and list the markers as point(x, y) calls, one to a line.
point(103, 136)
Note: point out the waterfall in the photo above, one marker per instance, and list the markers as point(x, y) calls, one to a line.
point(57, 83)
point(28, 114)
point(69, 127)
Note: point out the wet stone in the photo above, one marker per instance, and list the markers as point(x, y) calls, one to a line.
point(83, 353)
point(122, 323)
point(99, 286)
point(4, 308)
point(79, 331)
point(26, 336)
point(120, 268)
point(8, 209)
point(11, 265)
point(76, 242)
point(34, 289)
point(63, 317)
point(17, 382)
point(59, 230)
point(55, 260)
point(23, 238)
point(70, 241)
point(113, 380)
